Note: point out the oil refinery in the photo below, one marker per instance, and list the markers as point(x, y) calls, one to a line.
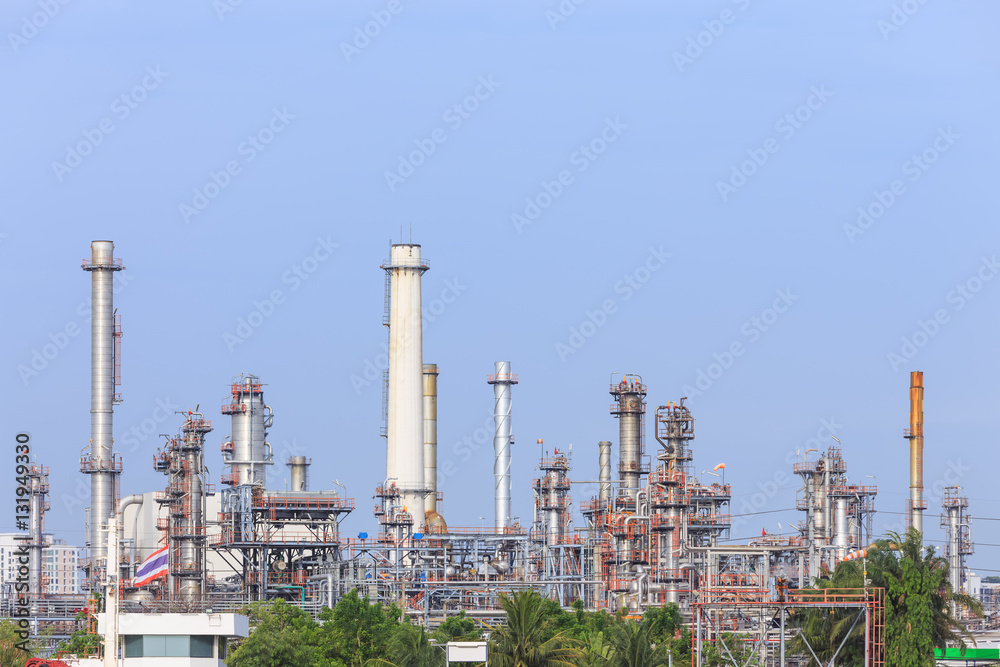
point(657, 532)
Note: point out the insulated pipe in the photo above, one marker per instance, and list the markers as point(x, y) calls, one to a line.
point(840, 534)
point(501, 381)
point(430, 437)
point(101, 465)
point(916, 438)
point(405, 419)
point(604, 459)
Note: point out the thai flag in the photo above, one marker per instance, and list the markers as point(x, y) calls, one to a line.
point(154, 567)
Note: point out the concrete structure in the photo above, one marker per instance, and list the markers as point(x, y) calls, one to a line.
point(59, 565)
point(175, 640)
point(405, 420)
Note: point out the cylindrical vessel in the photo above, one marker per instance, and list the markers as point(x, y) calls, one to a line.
point(553, 518)
point(430, 437)
point(501, 381)
point(840, 526)
point(954, 554)
point(251, 420)
point(37, 488)
point(630, 397)
point(405, 422)
point(101, 465)
point(298, 467)
point(917, 450)
point(604, 460)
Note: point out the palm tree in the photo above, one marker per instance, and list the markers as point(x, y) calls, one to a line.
point(597, 652)
point(527, 640)
point(410, 647)
point(918, 604)
point(633, 646)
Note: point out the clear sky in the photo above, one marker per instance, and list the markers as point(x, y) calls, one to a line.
point(599, 187)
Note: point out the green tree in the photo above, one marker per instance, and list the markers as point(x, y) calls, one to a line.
point(283, 636)
point(410, 647)
point(918, 606)
point(633, 646)
point(12, 645)
point(356, 631)
point(458, 628)
point(82, 642)
point(527, 639)
point(597, 651)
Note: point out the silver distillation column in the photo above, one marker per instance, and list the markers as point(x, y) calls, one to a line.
point(502, 380)
point(102, 464)
point(247, 451)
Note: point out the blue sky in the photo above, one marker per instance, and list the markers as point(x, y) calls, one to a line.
point(624, 187)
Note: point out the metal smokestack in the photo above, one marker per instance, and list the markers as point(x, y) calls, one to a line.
point(915, 434)
point(299, 472)
point(604, 459)
point(405, 419)
point(102, 465)
point(502, 441)
point(430, 438)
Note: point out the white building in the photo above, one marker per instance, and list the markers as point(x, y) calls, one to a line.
point(172, 640)
point(60, 564)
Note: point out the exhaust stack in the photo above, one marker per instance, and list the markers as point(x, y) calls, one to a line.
point(915, 434)
point(430, 446)
point(405, 419)
point(102, 464)
point(502, 381)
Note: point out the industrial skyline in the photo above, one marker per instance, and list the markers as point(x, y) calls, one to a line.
point(850, 243)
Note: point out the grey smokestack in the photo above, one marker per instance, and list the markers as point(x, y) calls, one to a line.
point(502, 381)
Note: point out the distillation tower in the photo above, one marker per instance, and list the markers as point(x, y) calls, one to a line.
point(182, 460)
point(37, 477)
point(101, 463)
point(955, 520)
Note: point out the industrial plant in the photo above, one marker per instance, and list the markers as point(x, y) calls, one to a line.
point(657, 532)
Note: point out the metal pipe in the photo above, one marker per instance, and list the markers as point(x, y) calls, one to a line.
point(101, 464)
point(916, 438)
point(430, 372)
point(405, 419)
point(502, 441)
